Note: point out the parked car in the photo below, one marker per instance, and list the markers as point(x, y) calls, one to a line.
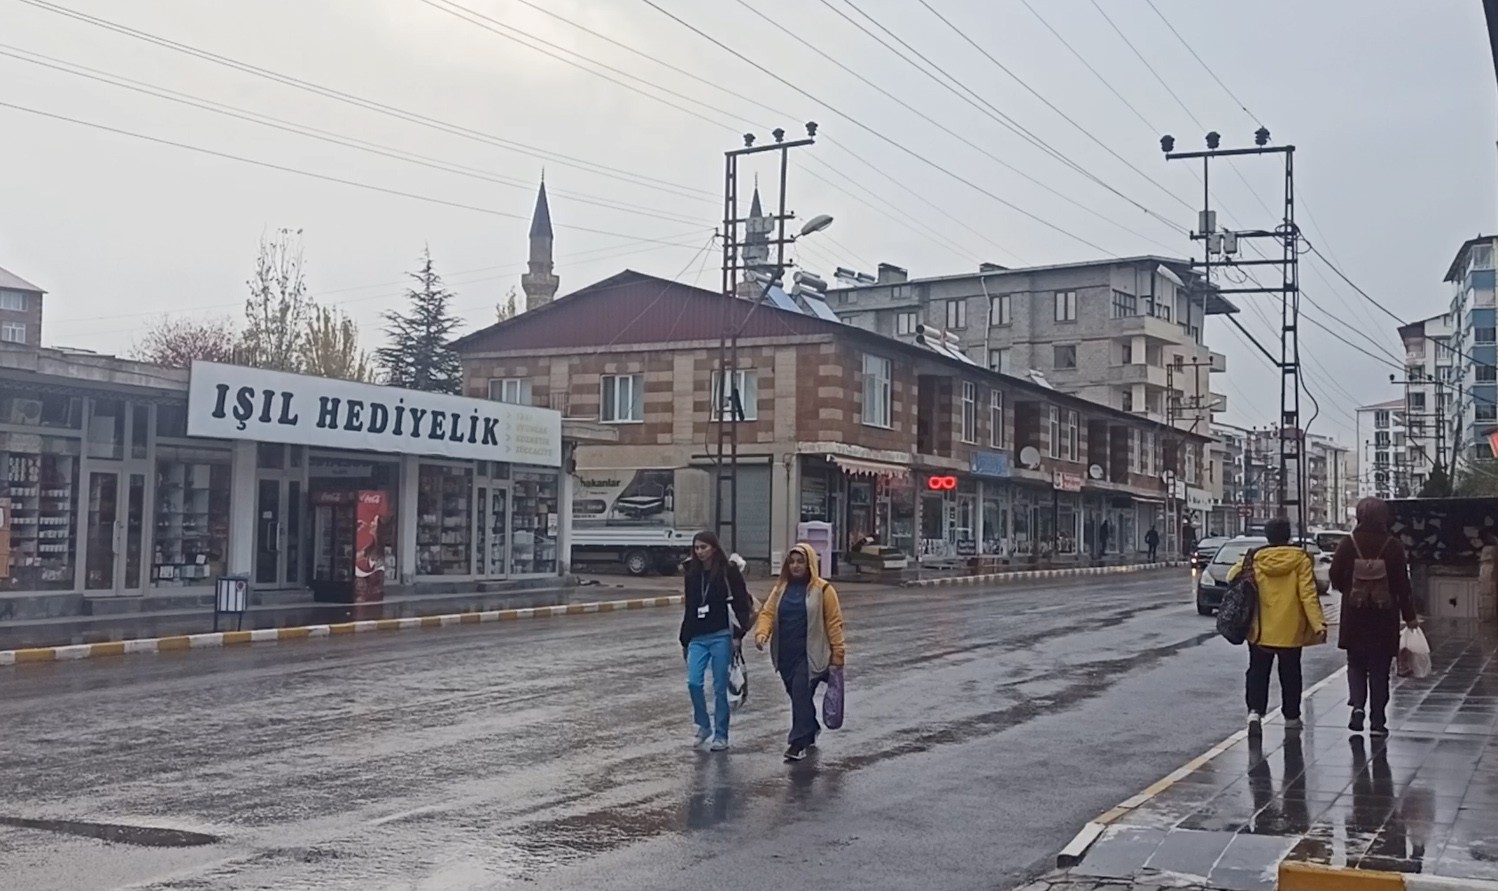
point(1212, 581)
point(1205, 548)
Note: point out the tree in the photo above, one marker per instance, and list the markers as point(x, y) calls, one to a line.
point(418, 356)
point(509, 308)
point(176, 342)
point(1478, 479)
point(278, 311)
point(331, 347)
point(1437, 485)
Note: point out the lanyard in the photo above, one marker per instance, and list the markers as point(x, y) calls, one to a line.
point(702, 597)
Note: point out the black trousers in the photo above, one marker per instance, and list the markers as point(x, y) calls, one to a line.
point(1260, 661)
point(1368, 685)
point(1153, 548)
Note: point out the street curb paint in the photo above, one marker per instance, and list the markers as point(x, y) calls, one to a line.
point(1072, 854)
point(1297, 876)
point(1031, 574)
point(303, 632)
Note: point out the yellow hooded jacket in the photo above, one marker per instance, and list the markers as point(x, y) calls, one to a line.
point(824, 617)
point(1289, 614)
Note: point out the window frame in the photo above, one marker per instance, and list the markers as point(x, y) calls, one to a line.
point(969, 412)
point(522, 388)
point(1065, 305)
point(21, 298)
point(1073, 432)
point(13, 332)
point(748, 384)
point(1053, 427)
point(637, 398)
point(996, 418)
point(904, 316)
point(878, 385)
point(956, 313)
point(1056, 352)
point(1004, 314)
point(1125, 305)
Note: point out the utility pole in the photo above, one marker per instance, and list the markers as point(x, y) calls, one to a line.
point(1222, 248)
point(1176, 410)
point(728, 409)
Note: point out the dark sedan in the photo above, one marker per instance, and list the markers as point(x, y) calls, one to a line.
point(1212, 581)
point(1205, 548)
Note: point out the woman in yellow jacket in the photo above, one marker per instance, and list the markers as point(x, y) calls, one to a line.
point(803, 624)
point(1288, 619)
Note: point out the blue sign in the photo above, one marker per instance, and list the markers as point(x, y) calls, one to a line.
point(994, 465)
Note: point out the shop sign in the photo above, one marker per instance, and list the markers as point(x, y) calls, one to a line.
point(1067, 482)
point(966, 547)
point(629, 497)
point(994, 465)
point(233, 402)
point(941, 483)
point(1198, 499)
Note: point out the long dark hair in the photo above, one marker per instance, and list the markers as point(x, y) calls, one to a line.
point(718, 565)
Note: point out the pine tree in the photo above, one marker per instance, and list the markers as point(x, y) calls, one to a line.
point(1437, 485)
point(418, 356)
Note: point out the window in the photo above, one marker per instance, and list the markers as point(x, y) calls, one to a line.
point(876, 392)
point(1190, 464)
point(1127, 400)
point(1066, 306)
point(15, 301)
point(1415, 372)
point(1485, 411)
point(1417, 401)
point(1487, 374)
point(514, 390)
point(1124, 305)
point(1055, 431)
point(13, 332)
point(1136, 452)
point(996, 418)
point(747, 385)
point(969, 411)
point(998, 360)
point(1073, 437)
point(1446, 373)
point(905, 323)
point(1380, 459)
point(1147, 455)
point(1484, 335)
point(957, 313)
point(1482, 256)
point(623, 398)
point(1066, 356)
point(1380, 419)
point(998, 310)
point(1126, 353)
point(1381, 439)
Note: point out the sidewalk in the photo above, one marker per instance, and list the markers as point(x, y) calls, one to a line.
point(1289, 806)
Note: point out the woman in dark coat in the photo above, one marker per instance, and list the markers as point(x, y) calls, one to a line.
point(1370, 632)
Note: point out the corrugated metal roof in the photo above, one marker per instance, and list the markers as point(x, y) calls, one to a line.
point(14, 282)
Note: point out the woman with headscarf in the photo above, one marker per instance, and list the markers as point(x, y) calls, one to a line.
point(803, 623)
point(1370, 569)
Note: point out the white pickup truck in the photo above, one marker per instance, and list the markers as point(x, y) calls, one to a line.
point(640, 548)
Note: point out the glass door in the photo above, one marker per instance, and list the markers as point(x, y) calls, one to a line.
point(135, 521)
point(279, 529)
point(497, 548)
point(102, 534)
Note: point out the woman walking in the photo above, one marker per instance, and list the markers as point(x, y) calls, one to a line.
point(717, 609)
point(1369, 569)
point(1288, 619)
point(803, 623)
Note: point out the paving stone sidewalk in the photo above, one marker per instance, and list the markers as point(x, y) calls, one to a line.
point(1423, 802)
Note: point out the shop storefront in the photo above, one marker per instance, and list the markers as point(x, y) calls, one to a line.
point(862, 498)
point(295, 482)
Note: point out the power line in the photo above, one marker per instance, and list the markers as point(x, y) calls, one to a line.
point(1208, 68)
point(1083, 59)
point(1140, 56)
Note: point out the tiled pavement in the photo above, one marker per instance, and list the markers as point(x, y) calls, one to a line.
point(1424, 801)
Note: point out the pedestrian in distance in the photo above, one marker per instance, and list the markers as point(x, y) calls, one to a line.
point(1370, 568)
point(1103, 533)
point(717, 608)
point(802, 622)
point(1288, 619)
point(1152, 541)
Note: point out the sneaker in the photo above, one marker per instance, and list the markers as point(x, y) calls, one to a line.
point(795, 753)
point(719, 745)
point(1356, 723)
point(1294, 724)
point(701, 737)
point(1379, 731)
point(1255, 722)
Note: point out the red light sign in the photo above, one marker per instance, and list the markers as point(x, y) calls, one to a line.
point(941, 483)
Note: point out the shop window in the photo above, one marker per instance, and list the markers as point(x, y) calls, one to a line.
point(106, 429)
point(747, 384)
point(41, 482)
point(140, 430)
point(192, 516)
point(534, 521)
point(969, 412)
point(444, 520)
point(1066, 529)
point(30, 409)
point(623, 398)
point(876, 390)
point(171, 421)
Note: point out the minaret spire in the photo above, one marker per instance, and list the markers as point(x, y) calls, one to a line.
point(540, 282)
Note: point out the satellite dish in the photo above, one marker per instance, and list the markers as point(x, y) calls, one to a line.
point(1030, 457)
point(1095, 472)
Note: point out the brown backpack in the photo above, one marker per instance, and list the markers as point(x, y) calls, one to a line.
point(1370, 579)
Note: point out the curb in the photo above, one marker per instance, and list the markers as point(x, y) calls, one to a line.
point(1031, 574)
point(1295, 876)
point(303, 632)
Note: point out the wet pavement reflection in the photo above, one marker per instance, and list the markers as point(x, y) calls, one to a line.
point(1424, 800)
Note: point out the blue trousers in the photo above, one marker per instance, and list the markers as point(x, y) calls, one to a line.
point(715, 650)
point(801, 686)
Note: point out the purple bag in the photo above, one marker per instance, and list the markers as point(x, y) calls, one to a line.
point(832, 701)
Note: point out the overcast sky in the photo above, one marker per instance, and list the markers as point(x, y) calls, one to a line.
point(1390, 104)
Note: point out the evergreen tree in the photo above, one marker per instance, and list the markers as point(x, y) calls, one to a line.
point(1437, 485)
point(418, 356)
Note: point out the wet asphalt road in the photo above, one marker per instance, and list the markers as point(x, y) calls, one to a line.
point(984, 728)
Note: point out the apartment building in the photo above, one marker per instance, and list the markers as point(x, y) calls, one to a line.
point(1430, 394)
point(1328, 486)
point(876, 435)
point(1123, 333)
point(1383, 449)
point(20, 312)
point(1474, 342)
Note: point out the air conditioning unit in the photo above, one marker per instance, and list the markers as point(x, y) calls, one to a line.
point(26, 411)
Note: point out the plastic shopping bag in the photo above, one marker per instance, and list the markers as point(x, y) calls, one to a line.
point(832, 701)
point(738, 679)
point(1414, 654)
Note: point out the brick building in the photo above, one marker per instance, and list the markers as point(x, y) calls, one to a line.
point(925, 451)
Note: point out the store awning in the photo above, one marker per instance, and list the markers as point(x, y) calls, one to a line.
point(864, 467)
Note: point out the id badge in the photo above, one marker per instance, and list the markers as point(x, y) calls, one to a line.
point(702, 611)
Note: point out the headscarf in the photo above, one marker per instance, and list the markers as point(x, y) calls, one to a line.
point(1374, 513)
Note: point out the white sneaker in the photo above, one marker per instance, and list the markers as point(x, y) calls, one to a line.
point(1255, 722)
point(719, 745)
point(700, 738)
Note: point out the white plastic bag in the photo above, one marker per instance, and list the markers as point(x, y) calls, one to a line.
point(1414, 653)
point(738, 680)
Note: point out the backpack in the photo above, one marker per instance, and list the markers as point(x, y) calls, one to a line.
point(1370, 580)
point(1236, 614)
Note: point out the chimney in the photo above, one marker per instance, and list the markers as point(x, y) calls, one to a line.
point(889, 274)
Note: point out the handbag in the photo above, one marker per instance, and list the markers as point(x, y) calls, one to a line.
point(833, 700)
point(1235, 617)
point(738, 678)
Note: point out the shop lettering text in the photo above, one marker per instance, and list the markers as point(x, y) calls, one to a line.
point(407, 421)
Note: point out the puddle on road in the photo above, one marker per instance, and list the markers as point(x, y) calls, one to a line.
point(144, 836)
